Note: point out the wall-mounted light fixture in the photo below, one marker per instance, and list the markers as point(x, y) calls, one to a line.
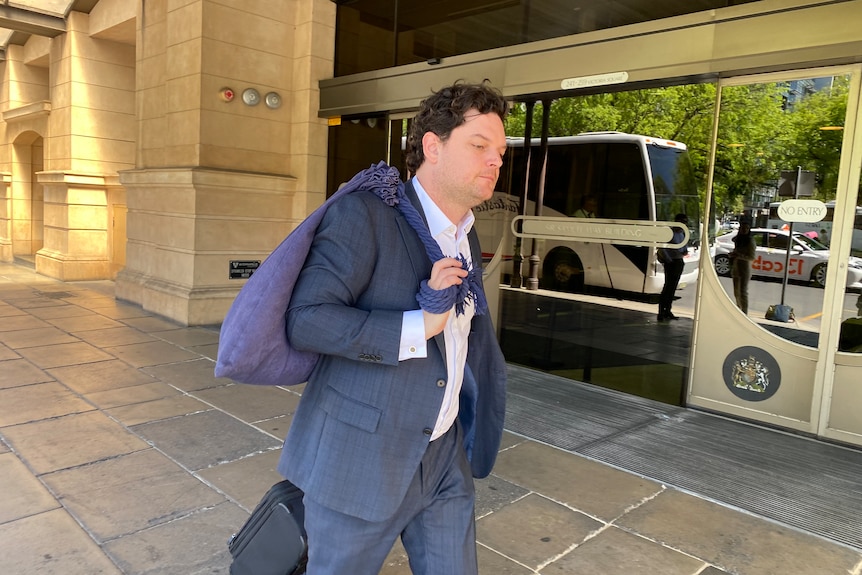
point(272, 100)
point(251, 97)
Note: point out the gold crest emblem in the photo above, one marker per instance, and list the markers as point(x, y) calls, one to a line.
point(750, 374)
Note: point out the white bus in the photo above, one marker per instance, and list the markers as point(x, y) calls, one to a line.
point(629, 177)
point(822, 229)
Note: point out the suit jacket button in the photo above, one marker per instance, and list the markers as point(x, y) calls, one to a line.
point(428, 431)
point(441, 383)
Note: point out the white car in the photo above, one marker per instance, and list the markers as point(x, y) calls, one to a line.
point(808, 257)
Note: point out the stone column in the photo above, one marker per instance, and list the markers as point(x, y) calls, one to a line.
point(218, 180)
point(91, 136)
point(6, 254)
point(76, 225)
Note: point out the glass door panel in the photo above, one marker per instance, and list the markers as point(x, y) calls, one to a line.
point(778, 141)
point(786, 164)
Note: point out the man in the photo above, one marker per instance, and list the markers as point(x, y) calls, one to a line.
point(744, 252)
point(404, 406)
point(672, 259)
point(588, 208)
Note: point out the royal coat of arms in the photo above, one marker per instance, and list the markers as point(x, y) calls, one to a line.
point(750, 374)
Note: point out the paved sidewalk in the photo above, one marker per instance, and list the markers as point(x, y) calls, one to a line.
point(122, 453)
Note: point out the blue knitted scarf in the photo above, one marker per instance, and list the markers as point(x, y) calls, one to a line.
point(384, 181)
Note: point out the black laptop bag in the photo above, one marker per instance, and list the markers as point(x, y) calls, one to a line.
point(273, 540)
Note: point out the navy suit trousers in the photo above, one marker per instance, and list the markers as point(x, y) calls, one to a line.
point(435, 520)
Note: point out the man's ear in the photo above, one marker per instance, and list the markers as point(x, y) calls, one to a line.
point(431, 147)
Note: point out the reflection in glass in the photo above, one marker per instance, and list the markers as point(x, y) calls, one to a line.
point(375, 34)
point(850, 337)
point(640, 156)
point(766, 129)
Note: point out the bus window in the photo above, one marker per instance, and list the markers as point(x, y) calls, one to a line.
point(632, 177)
point(625, 193)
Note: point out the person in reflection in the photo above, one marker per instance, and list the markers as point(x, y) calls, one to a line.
point(589, 205)
point(744, 250)
point(674, 262)
point(851, 331)
point(406, 404)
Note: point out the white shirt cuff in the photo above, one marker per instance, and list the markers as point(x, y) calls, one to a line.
point(413, 343)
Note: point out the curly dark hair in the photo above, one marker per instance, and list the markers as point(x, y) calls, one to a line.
point(444, 111)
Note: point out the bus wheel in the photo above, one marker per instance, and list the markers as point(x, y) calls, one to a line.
point(722, 265)
point(563, 271)
point(818, 275)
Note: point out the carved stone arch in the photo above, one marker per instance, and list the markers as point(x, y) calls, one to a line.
point(26, 203)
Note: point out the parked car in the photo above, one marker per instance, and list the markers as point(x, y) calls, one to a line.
point(808, 257)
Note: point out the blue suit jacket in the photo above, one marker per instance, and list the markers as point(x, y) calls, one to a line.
point(364, 420)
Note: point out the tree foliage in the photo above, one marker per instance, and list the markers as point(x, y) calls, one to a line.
point(763, 129)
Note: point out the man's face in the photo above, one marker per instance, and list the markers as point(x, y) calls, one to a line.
point(468, 162)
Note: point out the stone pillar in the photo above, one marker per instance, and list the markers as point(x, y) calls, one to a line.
point(25, 109)
point(91, 136)
point(76, 226)
point(6, 254)
point(218, 180)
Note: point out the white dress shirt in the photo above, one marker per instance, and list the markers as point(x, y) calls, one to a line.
point(453, 241)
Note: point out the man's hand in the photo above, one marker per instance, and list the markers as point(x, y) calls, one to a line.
point(445, 273)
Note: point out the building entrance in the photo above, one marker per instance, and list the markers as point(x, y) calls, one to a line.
point(750, 132)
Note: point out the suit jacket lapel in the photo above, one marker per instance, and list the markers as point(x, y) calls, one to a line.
point(420, 260)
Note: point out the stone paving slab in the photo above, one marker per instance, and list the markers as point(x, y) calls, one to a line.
point(193, 545)
point(114, 336)
point(17, 322)
point(188, 337)
point(131, 395)
point(592, 487)
point(35, 337)
point(88, 322)
point(70, 441)
point(613, 551)
point(59, 311)
point(251, 403)
point(39, 401)
point(63, 354)
point(189, 375)
point(201, 440)
point(51, 543)
point(735, 541)
point(150, 353)
point(17, 372)
point(148, 411)
point(7, 353)
point(23, 494)
point(126, 494)
point(245, 480)
point(534, 530)
point(100, 376)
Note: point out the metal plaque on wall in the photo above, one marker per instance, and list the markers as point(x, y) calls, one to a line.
point(242, 269)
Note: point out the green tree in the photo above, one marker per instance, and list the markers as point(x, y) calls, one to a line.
point(682, 113)
point(762, 131)
point(815, 124)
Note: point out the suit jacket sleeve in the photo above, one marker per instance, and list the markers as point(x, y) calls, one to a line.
point(332, 311)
